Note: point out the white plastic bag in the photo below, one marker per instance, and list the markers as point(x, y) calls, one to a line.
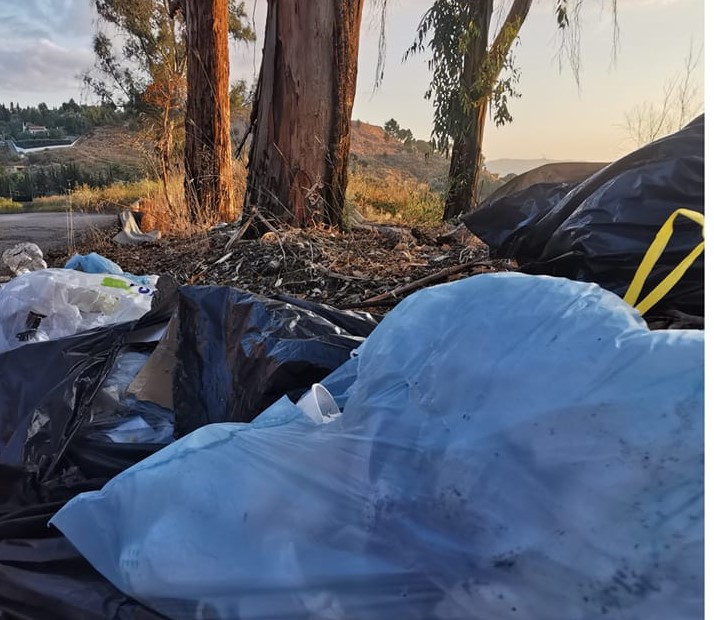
point(23, 258)
point(53, 303)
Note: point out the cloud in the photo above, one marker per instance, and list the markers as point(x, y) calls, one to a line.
point(44, 46)
point(14, 26)
point(53, 18)
point(41, 66)
point(75, 18)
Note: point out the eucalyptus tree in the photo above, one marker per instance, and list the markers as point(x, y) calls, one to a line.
point(141, 59)
point(303, 107)
point(474, 73)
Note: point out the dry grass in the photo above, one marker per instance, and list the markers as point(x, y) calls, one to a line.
point(168, 211)
point(116, 196)
point(8, 205)
point(394, 198)
point(51, 203)
point(164, 210)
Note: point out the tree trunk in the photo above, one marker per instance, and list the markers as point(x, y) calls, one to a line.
point(300, 150)
point(482, 67)
point(166, 147)
point(467, 152)
point(209, 178)
point(466, 162)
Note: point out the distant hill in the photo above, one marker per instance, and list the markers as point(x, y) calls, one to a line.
point(120, 151)
point(377, 154)
point(115, 145)
point(503, 167)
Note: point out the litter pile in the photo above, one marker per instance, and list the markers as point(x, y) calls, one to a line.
point(506, 445)
point(645, 210)
point(342, 269)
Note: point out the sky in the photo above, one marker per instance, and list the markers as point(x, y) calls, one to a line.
point(46, 44)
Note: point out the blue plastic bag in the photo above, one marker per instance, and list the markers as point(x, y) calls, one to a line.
point(511, 446)
point(96, 263)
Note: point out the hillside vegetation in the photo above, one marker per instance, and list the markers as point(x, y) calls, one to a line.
point(389, 180)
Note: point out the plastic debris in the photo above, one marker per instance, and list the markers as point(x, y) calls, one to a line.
point(24, 258)
point(53, 303)
point(238, 353)
point(601, 229)
point(511, 446)
point(96, 263)
point(131, 233)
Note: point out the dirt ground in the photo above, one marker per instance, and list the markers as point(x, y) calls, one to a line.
point(371, 267)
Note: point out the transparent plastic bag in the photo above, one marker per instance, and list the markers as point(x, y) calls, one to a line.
point(96, 263)
point(53, 303)
point(511, 446)
point(120, 418)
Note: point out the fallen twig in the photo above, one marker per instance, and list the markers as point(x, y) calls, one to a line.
point(387, 303)
point(238, 235)
point(430, 279)
point(271, 228)
point(267, 224)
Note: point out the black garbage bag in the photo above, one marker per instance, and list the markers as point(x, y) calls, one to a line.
point(355, 322)
point(53, 409)
point(47, 391)
point(238, 353)
point(47, 578)
point(602, 229)
point(505, 224)
point(570, 172)
point(504, 219)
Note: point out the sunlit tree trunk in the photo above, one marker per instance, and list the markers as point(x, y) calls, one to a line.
point(300, 149)
point(207, 158)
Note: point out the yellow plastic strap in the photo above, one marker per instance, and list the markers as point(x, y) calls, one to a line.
point(652, 256)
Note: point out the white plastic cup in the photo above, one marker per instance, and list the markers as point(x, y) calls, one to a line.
point(318, 404)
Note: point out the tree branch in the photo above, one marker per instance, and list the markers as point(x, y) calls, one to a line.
point(502, 43)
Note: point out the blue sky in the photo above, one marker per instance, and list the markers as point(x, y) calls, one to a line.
point(45, 45)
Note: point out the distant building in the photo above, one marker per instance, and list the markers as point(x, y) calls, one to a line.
point(34, 129)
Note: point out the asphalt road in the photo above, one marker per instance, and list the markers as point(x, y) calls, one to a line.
point(48, 230)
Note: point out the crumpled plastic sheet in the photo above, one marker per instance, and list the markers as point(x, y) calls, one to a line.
point(600, 230)
point(54, 303)
point(511, 446)
point(96, 263)
point(131, 234)
point(32, 573)
point(47, 390)
point(24, 258)
point(119, 418)
point(505, 224)
point(238, 352)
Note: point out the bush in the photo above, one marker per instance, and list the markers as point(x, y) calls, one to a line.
point(164, 210)
point(395, 198)
point(7, 204)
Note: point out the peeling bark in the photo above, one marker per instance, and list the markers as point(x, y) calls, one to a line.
point(300, 149)
point(208, 162)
